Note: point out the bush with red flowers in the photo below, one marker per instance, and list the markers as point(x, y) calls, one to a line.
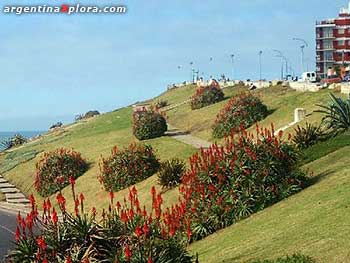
point(128, 166)
point(244, 109)
point(54, 169)
point(206, 96)
point(148, 124)
point(230, 182)
point(125, 233)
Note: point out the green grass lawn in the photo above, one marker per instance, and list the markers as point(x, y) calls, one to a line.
point(315, 222)
point(323, 148)
point(92, 138)
point(280, 100)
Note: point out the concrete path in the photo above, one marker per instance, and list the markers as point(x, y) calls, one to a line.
point(187, 138)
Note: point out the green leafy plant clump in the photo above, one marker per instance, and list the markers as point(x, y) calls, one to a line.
point(170, 173)
point(55, 168)
point(161, 104)
point(337, 114)
point(242, 110)
point(148, 124)
point(308, 135)
point(206, 96)
point(128, 166)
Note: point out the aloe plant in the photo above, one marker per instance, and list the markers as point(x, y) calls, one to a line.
point(337, 114)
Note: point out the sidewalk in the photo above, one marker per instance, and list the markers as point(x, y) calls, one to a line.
point(186, 137)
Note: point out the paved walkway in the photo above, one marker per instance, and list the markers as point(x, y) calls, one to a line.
point(187, 138)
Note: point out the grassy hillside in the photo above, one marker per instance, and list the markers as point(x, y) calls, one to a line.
point(314, 222)
point(281, 101)
point(93, 138)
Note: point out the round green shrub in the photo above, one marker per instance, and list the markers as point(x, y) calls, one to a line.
point(55, 168)
point(206, 96)
point(241, 111)
point(126, 167)
point(170, 173)
point(148, 124)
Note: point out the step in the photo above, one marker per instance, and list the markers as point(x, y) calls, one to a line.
point(9, 190)
point(14, 196)
point(3, 180)
point(6, 185)
point(18, 201)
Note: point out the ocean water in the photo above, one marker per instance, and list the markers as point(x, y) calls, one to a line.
point(27, 134)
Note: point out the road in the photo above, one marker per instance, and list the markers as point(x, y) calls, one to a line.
point(7, 227)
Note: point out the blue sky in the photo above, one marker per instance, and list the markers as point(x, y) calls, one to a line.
point(53, 67)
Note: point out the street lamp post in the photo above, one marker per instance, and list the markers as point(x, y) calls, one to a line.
point(260, 53)
point(232, 60)
point(302, 46)
point(192, 72)
point(280, 55)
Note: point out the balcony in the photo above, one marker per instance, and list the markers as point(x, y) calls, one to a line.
point(339, 57)
point(343, 22)
point(325, 23)
point(345, 46)
point(345, 33)
point(325, 36)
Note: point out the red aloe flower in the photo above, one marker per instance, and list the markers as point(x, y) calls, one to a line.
point(138, 231)
point(17, 234)
point(127, 252)
point(54, 217)
point(61, 201)
point(32, 200)
point(68, 259)
point(111, 196)
point(41, 243)
point(145, 228)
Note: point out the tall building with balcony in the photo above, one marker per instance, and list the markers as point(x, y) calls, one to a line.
point(333, 42)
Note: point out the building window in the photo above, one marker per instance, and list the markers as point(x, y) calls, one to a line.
point(341, 42)
point(341, 31)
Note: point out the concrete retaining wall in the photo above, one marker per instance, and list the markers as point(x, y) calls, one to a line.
point(304, 86)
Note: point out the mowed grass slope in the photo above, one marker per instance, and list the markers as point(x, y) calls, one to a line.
point(281, 101)
point(92, 138)
point(315, 222)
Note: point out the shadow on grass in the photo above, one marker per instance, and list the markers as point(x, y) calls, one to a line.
point(175, 132)
point(320, 177)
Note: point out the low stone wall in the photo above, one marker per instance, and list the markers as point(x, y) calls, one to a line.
point(304, 86)
point(345, 88)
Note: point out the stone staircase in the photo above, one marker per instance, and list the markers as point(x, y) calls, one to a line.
point(12, 194)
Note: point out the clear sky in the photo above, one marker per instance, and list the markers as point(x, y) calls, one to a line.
point(53, 67)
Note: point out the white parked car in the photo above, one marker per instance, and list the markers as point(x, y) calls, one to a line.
point(309, 76)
